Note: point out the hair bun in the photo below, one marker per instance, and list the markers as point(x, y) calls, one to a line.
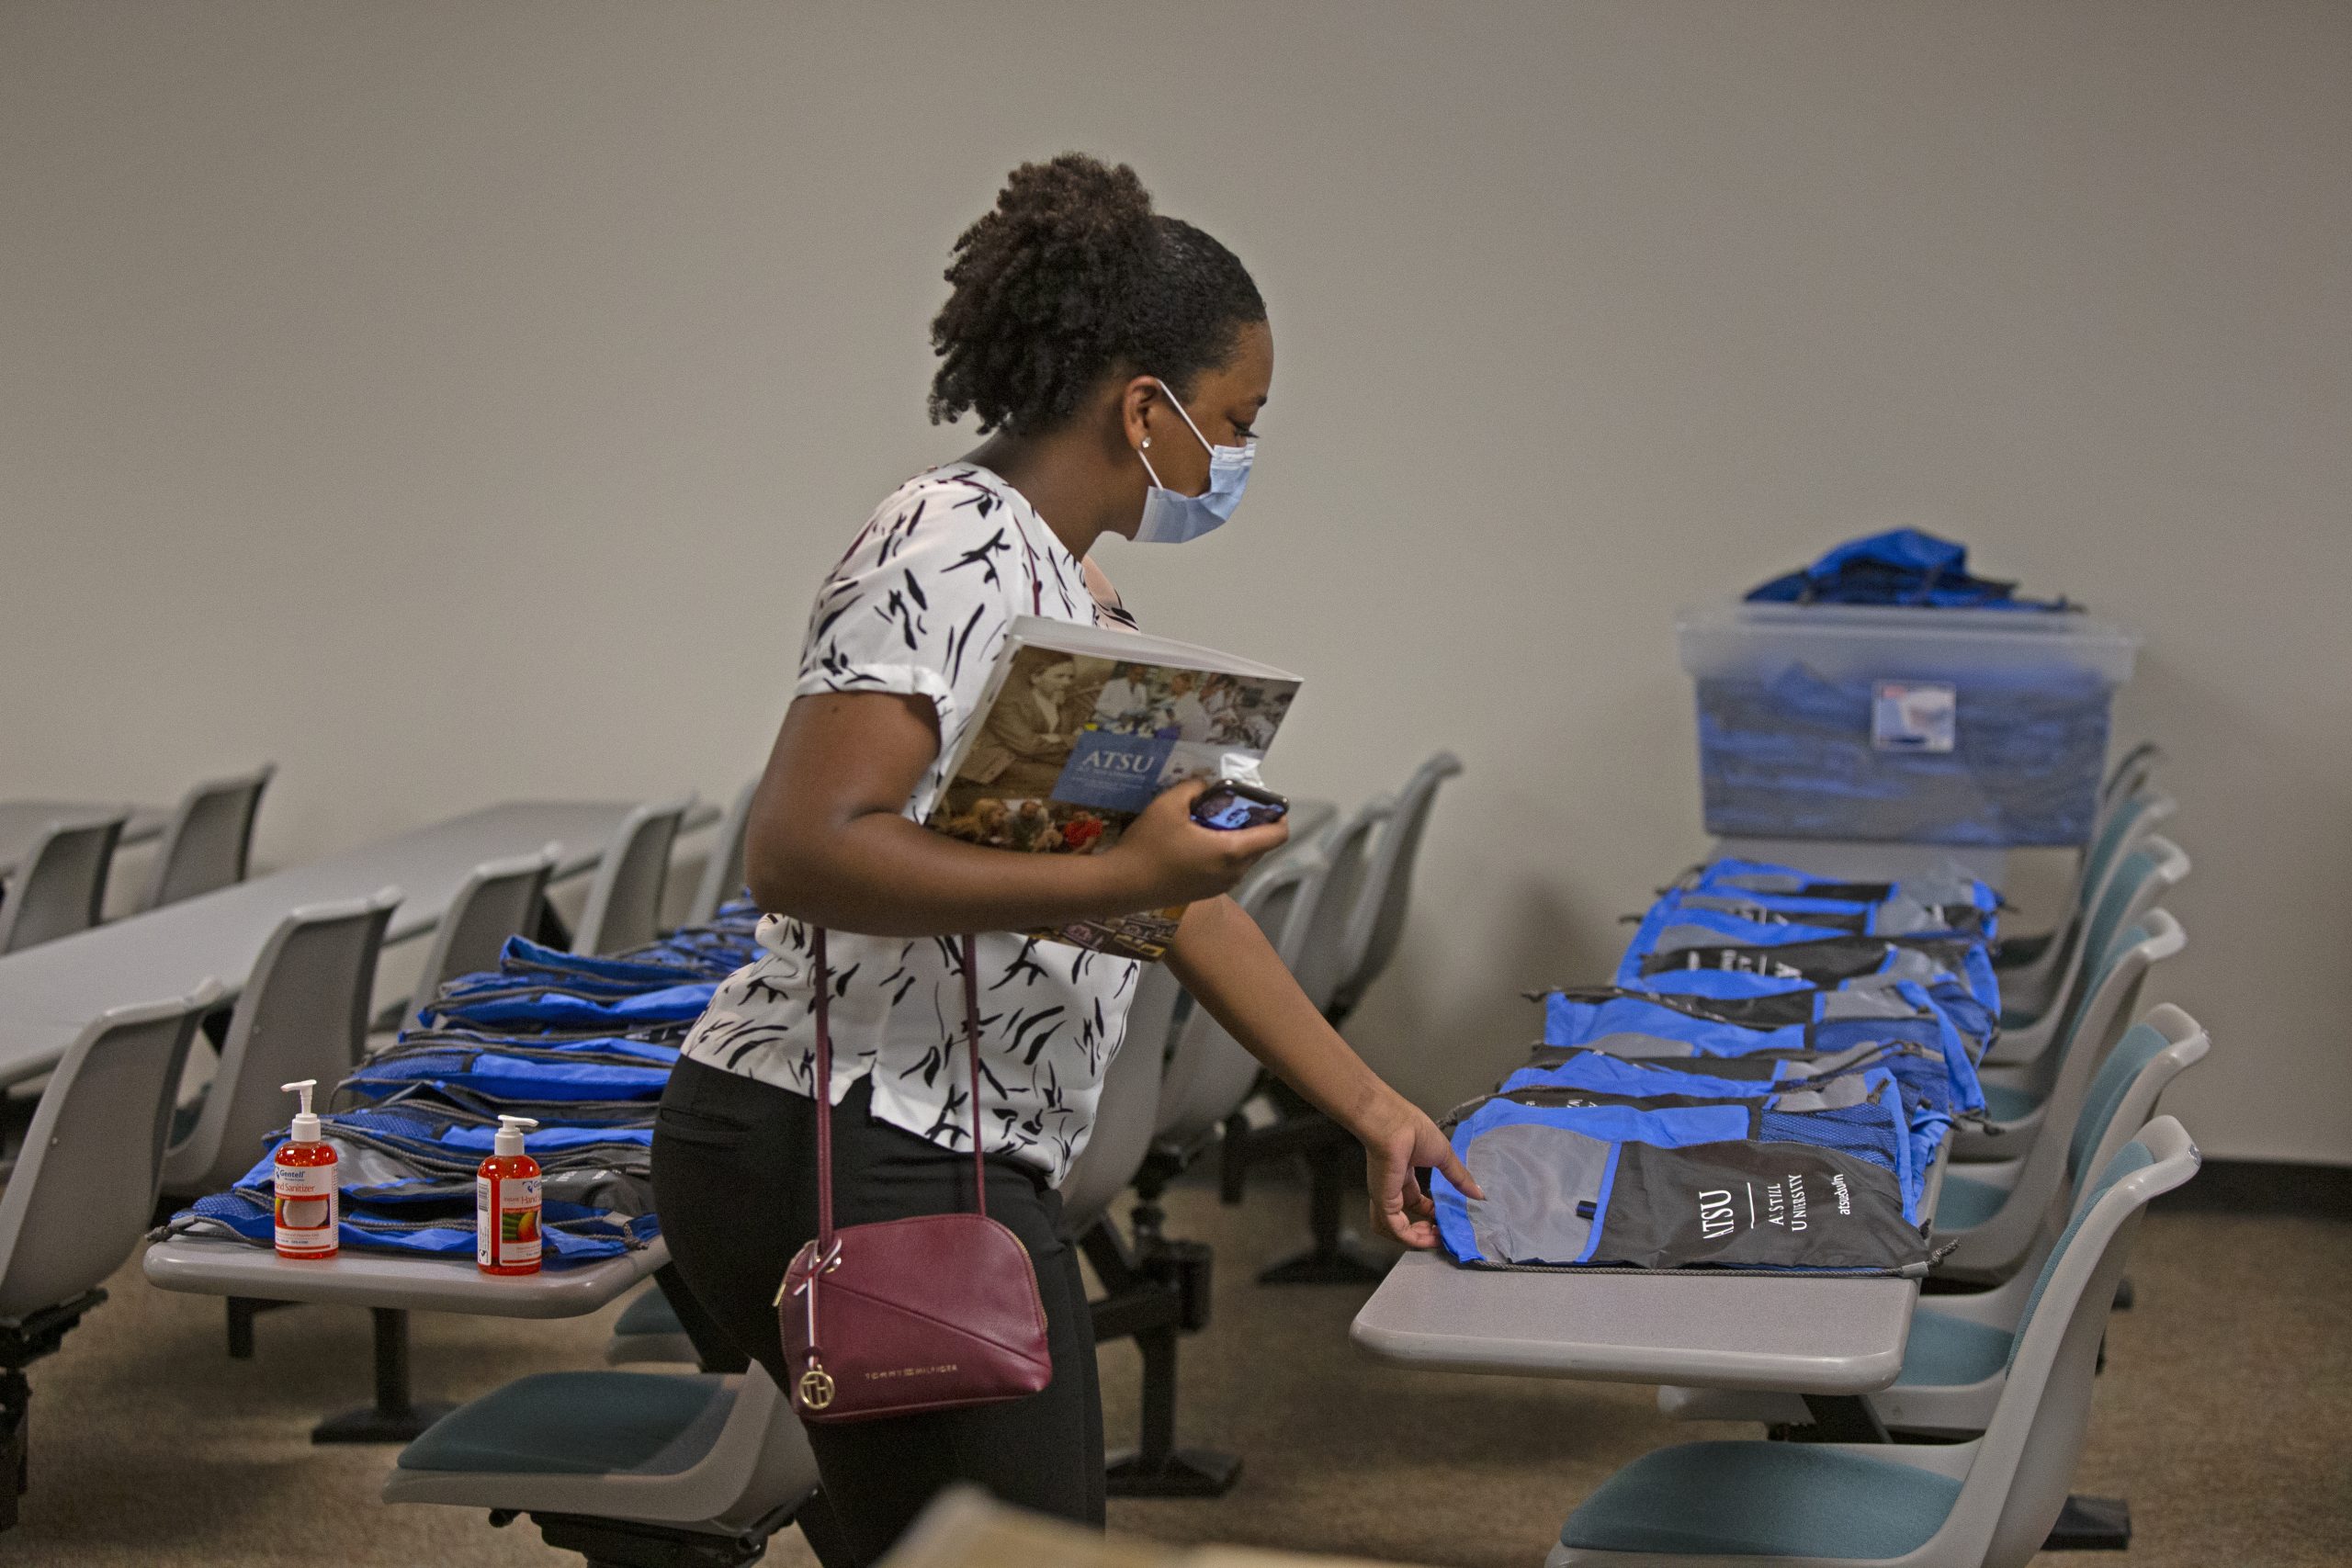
point(1070, 275)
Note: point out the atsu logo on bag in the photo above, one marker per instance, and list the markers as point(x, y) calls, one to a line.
point(1741, 961)
point(1715, 1214)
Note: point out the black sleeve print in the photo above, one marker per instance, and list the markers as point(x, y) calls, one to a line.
point(926, 591)
point(921, 605)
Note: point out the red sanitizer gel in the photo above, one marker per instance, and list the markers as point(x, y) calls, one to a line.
point(506, 1203)
point(303, 1183)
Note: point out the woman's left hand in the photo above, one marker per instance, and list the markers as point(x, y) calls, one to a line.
point(1397, 1140)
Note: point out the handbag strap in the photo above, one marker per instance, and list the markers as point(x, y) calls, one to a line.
point(824, 1083)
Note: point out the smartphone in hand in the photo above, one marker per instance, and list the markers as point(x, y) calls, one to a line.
point(1229, 803)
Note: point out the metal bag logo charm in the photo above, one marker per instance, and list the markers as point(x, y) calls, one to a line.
point(816, 1388)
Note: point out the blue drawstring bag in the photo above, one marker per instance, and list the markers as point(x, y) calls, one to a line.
point(1682, 1185)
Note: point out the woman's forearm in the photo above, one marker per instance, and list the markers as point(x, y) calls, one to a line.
point(1230, 968)
point(827, 841)
point(885, 875)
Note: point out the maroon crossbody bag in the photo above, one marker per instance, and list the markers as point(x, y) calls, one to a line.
point(932, 1313)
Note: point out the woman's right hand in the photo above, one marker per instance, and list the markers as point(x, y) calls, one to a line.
point(1166, 858)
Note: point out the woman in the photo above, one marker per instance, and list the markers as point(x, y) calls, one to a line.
point(1108, 350)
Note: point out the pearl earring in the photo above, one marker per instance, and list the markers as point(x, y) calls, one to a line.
point(1146, 441)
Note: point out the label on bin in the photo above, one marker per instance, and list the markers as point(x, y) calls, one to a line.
point(1913, 716)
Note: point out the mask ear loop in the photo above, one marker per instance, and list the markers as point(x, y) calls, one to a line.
point(1176, 404)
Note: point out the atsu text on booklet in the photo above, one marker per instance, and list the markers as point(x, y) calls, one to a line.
point(1080, 727)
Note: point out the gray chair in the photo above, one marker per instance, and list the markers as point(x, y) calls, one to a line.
point(623, 1467)
point(82, 1190)
point(1986, 1503)
point(623, 907)
point(2131, 773)
point(2017, 1079)
point(1209, 1075)
point(1956, 1362)
point(208, 840)
point(498, 899)
point(1154, 1290)
point(1376, 924)
point(2035, 971)
point(1989, 1210)
point(648, 1331)
point(1323, 963)
point(302, 1015)
point(60, 886)
point(722, 874)
point(1330, 968)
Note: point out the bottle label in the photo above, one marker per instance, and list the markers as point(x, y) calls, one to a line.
point(506, 1223)
point(306, 1203)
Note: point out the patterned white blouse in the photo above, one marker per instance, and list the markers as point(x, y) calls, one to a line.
point(919, 607)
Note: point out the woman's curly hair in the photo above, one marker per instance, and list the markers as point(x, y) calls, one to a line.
point(1069, 278)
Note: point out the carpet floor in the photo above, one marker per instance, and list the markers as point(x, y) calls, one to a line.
point(2225, 1415)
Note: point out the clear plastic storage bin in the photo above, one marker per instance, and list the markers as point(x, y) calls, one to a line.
point(1918, 726)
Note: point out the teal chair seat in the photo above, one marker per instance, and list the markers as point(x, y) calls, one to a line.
point(1763, 1500)
point(579, 1424)
point(1966, 1203)
point(649, 1312)
point(1950, 1352)
point(2003, 1103)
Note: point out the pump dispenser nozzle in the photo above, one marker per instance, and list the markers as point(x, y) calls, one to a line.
point(306, 1121)
point(511, 1129)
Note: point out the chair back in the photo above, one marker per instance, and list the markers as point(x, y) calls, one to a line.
point(61, 887)
point(2021, 1470)
point(1128, 1109)
point(2130, 1085)
point(84, 1187)
point(2042, 1183)
point(722, 874)
point(209, 839)
point(498, 899)
point(624, 909)
point(2131, 773)
point(1209, 1074)
point(1376, 923)
point(302, 1015)
point(762, 1456)
point(1322, 964)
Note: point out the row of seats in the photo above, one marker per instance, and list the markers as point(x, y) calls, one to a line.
point(2035, 1224)
point(60, 886)
point(75, 1209)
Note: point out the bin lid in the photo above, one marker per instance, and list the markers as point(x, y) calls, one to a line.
point(1722, 638)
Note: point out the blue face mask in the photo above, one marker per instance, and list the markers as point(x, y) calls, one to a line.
point(1170, 517)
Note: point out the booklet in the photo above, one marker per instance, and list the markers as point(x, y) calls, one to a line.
point(1080, 728)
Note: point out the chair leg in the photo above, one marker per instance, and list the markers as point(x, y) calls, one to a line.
point(1154, 1295)
point(243, 1310)
point(394, 1417)
point(1233, 1160)
point(2091, 1524)
point(1335, 1258)
point(16, 1415)
point(241, 1324)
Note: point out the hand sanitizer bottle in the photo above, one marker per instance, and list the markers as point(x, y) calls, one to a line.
point(303, 1176)
point(506, 1203)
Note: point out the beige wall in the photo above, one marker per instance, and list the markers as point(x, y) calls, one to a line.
point(456, 400)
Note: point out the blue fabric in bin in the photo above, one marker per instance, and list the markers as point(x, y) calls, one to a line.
point(1789, 754)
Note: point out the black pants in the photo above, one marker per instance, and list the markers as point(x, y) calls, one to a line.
point(735, 1181)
